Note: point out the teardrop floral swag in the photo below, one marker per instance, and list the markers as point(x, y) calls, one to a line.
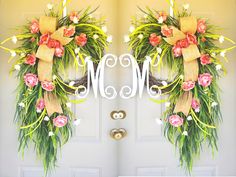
point(187, 45)
point(49, 45)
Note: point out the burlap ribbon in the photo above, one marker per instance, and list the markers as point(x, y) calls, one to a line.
point(190, 55)
point(45, 56)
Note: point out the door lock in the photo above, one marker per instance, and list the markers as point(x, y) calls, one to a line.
point(118, 133)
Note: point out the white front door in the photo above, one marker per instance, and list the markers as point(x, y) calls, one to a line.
point(91, 152)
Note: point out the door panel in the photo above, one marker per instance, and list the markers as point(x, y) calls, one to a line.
point(145, 151)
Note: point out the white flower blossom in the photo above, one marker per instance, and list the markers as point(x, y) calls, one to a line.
point(68, 105)
point(21, 104)
point(189, 118)
point(14, 39)
point(167, 104)
point(75, 20)
point(46, 118)
point(185, 133)
point(50, 6)
point(104, 29)
point(109, 38)
point(77, 122)
point(140, 36)
point(181, 77)
point(164, 83)
point(77, 50)
point(159, 121)
point(218, 67)
point(50, 133)
point(131, 29)
point(54, 77)
point(72, 83)
point(17, 67)
point(213, 54)
point(145, 16)
point(159, 50)
point(186, 6)
point(38, 110)
point(222, 53)
point(221, 39)
point(126, 38)
point(214, 104)
point(160, 20)
point(95, 36)
point(13, 53)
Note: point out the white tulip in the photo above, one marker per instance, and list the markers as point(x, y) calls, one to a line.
point(104, 29)
point(214, 104)
point(14, 39)
point(17, 67)
point(77, 50)
point(50, 133)
point(21, 104)
point(189, 118)
point(185, 133)
point(13, 53)
point(46, 118)
point(186, 6)
point(95, 36)
point(77, 122)
point(218, 67)
point(109, 39)
point(75, 20)
point(72, 83)
point(50, 6)
point(160, 20)
point(164, 83)
point(159, 50)
point(213, 54)
point(222, 53)
point(54, 77)
point(68, 105)
point(167, 104)
point(221, 39)
point(131, 29)
point(140, 36)
point(126, 38)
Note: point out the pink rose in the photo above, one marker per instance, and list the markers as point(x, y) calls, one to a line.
point(188, 85)
point(192, 39)
point(44, 39)
point(195, 105)
point(59, 51)
point(40, 104)
point(31, 80)
point(183, 43)
point(163, 15)
point(52, 43)
point(81, 40)
point(177, 50)
point(70, 31)
point(34, 27)
point(60, 121)
point(205, 59)
point(201, 26)
point(48, 86)
point(176, 120)
point(74, 16)
point(166, 31)
point(205, 79)
point(154, 39)
point(30, 59)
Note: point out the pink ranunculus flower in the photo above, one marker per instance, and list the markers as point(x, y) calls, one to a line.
point(34, 27)
point(205, 59)
point(60, 121)
point(183, 43)
point(30, 59)
point(192, 39)
point(40, 104)
point(59, 51)
point(31, 79)
point(166, 31)
point(205, 79)
point(74, 16)
point(44, 39)
point(70, 31)
point(188, 85)
point(177, 51)
point(195, 105)
point(48, 86)
point(81, 40)
point(176, 120)
point(52, 43)
point(154, 39)
point(201, 26)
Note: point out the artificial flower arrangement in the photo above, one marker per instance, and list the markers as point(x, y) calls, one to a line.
point(187, 45)
point(48, 46)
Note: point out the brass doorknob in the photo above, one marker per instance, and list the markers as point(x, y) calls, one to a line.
point(118, 133)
